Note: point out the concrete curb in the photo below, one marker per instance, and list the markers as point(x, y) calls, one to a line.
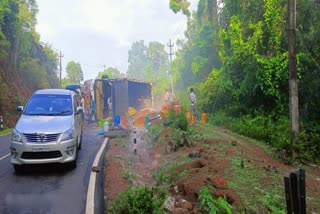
point(92, 181)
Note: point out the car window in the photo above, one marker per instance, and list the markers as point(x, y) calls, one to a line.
point(49, 105)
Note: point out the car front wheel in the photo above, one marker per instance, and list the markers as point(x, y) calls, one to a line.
point(18, 168)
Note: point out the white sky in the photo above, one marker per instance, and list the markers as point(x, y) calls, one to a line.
point(100, 32)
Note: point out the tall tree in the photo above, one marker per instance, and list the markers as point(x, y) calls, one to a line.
point(180, 5)
point(4, 43)
point(74, 72)
point(238, 56)
point(198, 56)
point(111, 73)
point(156, 67)
point(20, 44)
point(137, 61)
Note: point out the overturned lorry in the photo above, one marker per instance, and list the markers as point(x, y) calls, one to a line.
point(114, 96)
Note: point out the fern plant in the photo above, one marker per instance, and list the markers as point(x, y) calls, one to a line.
point(211, 205)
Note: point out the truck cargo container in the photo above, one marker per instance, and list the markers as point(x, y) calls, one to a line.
point(124, 93)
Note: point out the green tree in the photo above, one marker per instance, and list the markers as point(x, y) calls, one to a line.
point(74, 72)
point(137, 61)
point(180, 5)
point(236, 56)
point(4, 43)
point(21, 46)
point(111, 73)
point(198, 55)
point(156, 67)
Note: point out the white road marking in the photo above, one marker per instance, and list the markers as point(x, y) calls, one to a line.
point(92, 181)
point(7, 155)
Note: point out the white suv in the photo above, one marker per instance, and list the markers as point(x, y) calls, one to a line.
point(49, 129)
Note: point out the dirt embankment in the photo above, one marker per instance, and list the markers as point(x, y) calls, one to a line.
point(13, 92)
point(239, 170)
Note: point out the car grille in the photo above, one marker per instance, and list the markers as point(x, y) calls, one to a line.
point(41, 155)
point(41, 138)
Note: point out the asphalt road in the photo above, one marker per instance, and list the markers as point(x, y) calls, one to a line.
point(50, 188)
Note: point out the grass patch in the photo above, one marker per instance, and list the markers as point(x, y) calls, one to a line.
point(121, 141)
point(5, 132)
point(128, 172)
point(211, 205)
point(166, 175)
point(139, 199)
point(257, 197)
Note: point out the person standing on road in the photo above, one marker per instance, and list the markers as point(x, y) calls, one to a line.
point(93, 110)
point(166, 96)
point(193, 102)
point(110, 107)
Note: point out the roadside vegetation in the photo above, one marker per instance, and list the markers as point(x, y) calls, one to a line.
point(236, 59)
point(5, 131)
point(228, 172)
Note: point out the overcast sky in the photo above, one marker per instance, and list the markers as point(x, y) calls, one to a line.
point(100, 32)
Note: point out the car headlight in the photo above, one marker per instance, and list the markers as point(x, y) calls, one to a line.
point(16, 136)
point(68, 135)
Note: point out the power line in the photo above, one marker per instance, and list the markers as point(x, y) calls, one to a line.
point(194, 4)
point(178, 31)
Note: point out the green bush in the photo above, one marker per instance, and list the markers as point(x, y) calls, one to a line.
point(179, 120)
point(102, 121)
point(138, 200)
point(308, 146)
point(194, 136)
point(275, 132)
point(273, 202)
point(211, 205)
point(166, 175)
point(154, 131)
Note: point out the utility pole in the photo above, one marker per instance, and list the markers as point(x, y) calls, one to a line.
point(60, 57)
point(170, 54)
point(293, 80)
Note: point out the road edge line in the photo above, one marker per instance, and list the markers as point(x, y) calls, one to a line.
point(4, 157)
point(92, 180)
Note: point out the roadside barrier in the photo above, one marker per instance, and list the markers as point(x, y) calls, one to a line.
point(134, 141)
point(1, 122)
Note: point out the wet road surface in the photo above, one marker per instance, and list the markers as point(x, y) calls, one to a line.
point(47, 188)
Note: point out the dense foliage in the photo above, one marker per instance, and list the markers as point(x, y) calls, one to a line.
point(150, 63)
point(139, 199)
point(26, 64)
point(236, 57)
point(111, 73)
point(21, 52)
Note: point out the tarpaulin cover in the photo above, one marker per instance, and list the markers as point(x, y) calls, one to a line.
point(73, 87)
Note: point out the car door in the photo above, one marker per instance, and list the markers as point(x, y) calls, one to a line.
point(77, 119)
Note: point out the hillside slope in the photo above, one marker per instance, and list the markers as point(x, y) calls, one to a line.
point(244, 171)
point(13, 92)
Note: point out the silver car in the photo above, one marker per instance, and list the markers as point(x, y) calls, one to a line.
point(49, 129)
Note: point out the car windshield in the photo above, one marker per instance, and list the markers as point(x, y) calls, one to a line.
point(50, 105)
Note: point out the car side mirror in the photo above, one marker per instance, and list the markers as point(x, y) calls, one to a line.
point(20, 108)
